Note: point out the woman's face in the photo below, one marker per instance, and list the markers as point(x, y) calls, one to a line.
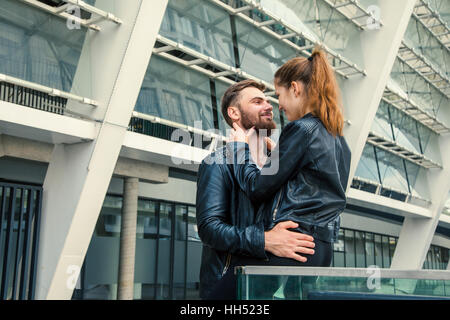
point(291, 100)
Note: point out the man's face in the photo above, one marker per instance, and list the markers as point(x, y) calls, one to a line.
point(256, 110)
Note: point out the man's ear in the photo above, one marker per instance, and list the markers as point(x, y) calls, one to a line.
point(234, 113)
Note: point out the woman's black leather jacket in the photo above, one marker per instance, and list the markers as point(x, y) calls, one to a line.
point(305, 180)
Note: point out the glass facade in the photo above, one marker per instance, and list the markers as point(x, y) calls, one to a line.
point(38, 47)
point(168, 252)
point(20, 214)
point(362, 249)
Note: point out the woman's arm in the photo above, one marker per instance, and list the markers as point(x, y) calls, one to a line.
point(285, 159)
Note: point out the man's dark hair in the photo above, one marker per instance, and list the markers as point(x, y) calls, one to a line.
point(232, 95)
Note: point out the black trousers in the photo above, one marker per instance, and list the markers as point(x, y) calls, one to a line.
point(226, 288)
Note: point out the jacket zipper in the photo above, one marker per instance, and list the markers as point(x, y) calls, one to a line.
point(276, 207)
point(227, 264)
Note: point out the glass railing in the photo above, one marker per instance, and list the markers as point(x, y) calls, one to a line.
point(318, 283)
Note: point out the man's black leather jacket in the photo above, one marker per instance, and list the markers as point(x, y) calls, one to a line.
point(225, 220)
point(305, 180)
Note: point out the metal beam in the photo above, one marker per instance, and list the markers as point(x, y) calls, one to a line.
point(402, 152)
point(336, 60)
point(61, 12)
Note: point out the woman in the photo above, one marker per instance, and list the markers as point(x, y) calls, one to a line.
point(313, 161)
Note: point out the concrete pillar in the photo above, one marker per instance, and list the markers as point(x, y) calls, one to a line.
point(111, 68)
point(417, 233)
point(128, 239)
point(375, 50)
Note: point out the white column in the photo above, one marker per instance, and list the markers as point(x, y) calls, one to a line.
point(417, 233)
point(113, 62)
point(376, 51)
point(127, 253)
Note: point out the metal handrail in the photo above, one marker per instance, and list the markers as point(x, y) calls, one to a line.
point(48, 90)
point(61, 12)
point(343, 272)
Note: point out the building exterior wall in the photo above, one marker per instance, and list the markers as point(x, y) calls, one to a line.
point(396, 107)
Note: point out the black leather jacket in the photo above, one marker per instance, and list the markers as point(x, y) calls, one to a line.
point(225, 220)
point(308, 182)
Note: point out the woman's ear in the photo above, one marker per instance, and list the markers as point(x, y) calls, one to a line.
point(295, 87)
point(234, 113)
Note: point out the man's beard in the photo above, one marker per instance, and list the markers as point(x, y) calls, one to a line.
point(247, 123)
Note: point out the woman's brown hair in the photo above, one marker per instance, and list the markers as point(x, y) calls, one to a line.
point(322, 91)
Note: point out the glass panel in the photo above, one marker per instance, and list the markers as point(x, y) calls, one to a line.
point(405, 130)
point(202, 27)
point(194, 252)
point(146, 234)
point(370, 249)
point(392, 170)
point(392, 245)
point(339, 250)
point(360, 250)
point(381, 124)
point(192, 225)
point(385, 248)
point(260, 54)
point(102, 259)
point(175, 93)
point(367, 166)
point(335, 29)
point(413, 171)
point(350, 248)
point(378, 253)
point(342, 287)
point(147, 225)
point(109, 220)
point(164, 251)
point(39, 47)
point(398, 75)
point(179, 270)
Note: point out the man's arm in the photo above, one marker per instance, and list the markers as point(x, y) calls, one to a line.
point(213, 216)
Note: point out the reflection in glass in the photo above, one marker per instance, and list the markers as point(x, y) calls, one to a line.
point(392, 171)
point(378, 251)
point(350, 248)
point(367, 166)
point(38, 47)
point(260, 54)
point(360, 250)
point(163, 278)
point(176, 93)
point(204, 28)
point(370, 249)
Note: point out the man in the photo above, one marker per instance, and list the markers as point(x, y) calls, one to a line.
point(226, 219)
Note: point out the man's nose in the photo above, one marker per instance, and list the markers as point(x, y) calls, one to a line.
point(268, 106)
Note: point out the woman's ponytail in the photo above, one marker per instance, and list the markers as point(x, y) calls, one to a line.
point(323, 93)
point(323, 96)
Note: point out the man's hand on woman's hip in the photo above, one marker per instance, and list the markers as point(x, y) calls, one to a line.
point(288, 244)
